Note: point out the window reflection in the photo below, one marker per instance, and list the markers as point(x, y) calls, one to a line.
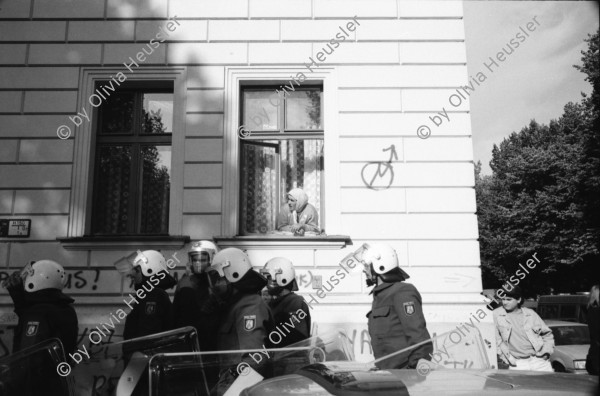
point(117, 113)
point(303, 110)
point(259, 113)
point(156, 185)
point(158, 112)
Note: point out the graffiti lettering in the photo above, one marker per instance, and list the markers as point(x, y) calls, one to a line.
point(365, 338)
point(464, 364)
point(302, 280)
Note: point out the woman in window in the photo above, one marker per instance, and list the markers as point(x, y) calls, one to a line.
point(298, 214)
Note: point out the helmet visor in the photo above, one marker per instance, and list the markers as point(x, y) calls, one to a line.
point(358, 256)
point(27, 270)
point(125, 264)
point(271, 273)
point(140, 259)
point(218, 268)
point(199, 261)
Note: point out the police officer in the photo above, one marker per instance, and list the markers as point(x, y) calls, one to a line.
point(193, 305)
point(246, 320)
point(44, 311)
point(152, 311)
point(290, 311)
point(396, 318)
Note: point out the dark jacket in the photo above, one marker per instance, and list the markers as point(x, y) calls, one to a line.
point(592, 363)
point(192, 306)
point(286, 316)
point(396, 322)
point(42, 315)
point(153, 312)
point(246, 324)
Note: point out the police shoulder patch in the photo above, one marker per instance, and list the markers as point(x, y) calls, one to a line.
point(409, 307)
point(150, 308)
point(249, 322)
point(32, 328)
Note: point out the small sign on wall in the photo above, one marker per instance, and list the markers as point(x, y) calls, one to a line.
point(15, 228)
point(317, 282)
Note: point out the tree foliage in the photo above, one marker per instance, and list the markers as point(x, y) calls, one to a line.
point(543, 196)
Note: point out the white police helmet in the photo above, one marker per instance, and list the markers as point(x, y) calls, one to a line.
point(201, 248)
point(150, 262)
point(44, 274)
point(281, 270)
point(383, 260)
point(231, 264)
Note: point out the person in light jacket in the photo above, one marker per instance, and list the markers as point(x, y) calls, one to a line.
point(522, 338)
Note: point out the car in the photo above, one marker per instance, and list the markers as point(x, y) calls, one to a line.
point(169, 364)
point(567, 307)
point(458, 366)
point(571, 345)
point(330, 378)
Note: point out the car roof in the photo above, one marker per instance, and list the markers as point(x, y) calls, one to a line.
point(550, 322)
point(345, 380)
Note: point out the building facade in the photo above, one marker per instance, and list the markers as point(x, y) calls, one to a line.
point(145, 124)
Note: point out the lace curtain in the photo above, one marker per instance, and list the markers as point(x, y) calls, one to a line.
point(269, 171)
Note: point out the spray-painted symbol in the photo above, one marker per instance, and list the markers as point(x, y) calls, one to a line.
point(376, 177)
point(94, 287)
point(459, 278)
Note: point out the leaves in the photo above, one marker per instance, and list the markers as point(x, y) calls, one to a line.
point(543, 196)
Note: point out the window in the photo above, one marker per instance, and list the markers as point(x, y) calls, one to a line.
point(568, 311)
point(132, 166)
point(281, 148)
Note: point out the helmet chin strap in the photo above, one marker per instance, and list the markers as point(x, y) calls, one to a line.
point(371, 276)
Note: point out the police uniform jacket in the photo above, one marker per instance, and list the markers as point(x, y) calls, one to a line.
point(42, 315)
point(285, 316)
point(396, 322)
point(154, 312)
point(192, 306)
point(245, 325)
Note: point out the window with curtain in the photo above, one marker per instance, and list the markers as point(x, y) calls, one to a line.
point(132, 169)
point(281, 149)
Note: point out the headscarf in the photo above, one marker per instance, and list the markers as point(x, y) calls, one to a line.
point(301, 198)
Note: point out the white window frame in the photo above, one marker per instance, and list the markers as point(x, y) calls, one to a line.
point(80, 208)
point(235, 78)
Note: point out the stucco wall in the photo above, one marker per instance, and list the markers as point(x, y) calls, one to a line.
point(399, 67)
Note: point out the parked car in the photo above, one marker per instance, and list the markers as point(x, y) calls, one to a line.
point(325, 379)
point(572, 342)
point(459, 366)
point(567, 307)
point(323, 366)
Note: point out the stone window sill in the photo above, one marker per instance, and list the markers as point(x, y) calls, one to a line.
point(332, 242)
point(125, 242)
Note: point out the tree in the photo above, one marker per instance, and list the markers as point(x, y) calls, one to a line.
point(543, 197)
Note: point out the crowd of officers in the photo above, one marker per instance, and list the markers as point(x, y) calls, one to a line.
point(221, 296)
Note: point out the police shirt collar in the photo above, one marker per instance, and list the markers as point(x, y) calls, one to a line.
point(380, 287)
